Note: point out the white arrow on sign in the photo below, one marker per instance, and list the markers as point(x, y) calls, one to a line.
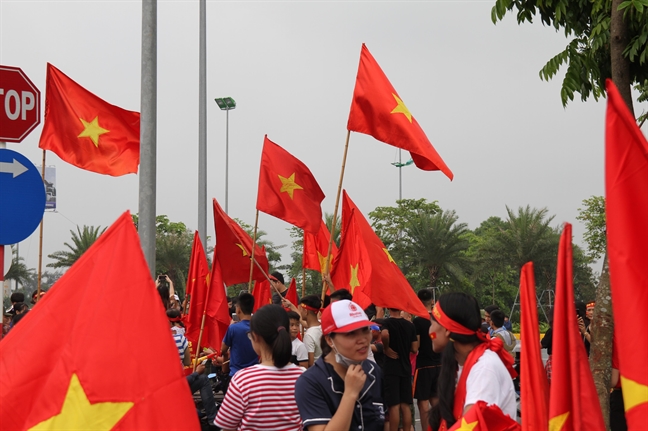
point(16, 168)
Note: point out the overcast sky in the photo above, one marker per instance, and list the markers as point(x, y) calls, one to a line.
point(291, 67)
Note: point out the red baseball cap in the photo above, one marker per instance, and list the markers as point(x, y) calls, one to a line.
point(343, 316)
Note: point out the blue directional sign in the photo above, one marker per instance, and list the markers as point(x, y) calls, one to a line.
point(22, 197)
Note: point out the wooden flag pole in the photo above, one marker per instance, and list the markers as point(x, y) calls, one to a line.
point(256, 223)
point(202, 324)
point(266, 276)
point(303, 282)
point(40, 241)
point(335, 212)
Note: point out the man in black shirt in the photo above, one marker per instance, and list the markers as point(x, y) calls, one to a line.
point(399, 339)
point(428, 363)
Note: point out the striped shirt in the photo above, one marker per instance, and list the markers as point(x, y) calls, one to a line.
point(261, 397)
point(181, 345)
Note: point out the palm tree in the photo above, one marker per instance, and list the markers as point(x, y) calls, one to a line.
point(18, 270)
point(434, 245)
point(82, 240)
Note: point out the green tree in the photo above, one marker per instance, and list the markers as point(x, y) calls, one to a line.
point(593, 215)
point(18, 271)
point(389, 222)
point(81, 241)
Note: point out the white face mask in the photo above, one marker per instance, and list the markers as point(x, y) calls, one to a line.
point(343, 360)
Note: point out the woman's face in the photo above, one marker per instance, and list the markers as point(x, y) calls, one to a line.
point(354, 345)
point(440, 336)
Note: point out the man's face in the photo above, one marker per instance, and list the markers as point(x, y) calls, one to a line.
point(487, 317)
point(294, 328)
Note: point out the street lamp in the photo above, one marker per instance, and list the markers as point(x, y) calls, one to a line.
point(226, 104)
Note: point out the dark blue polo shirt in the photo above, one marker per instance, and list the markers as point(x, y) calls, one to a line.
point(319, 390)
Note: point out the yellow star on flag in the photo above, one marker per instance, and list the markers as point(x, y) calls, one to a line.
point(92, 130)
point(634, 393)
point(465, 426)
point(78, 414)
point(391, 259)
point(354, 282)
point(323, 261)
point(245, 253)
point(401, 108)
point(289, 185)
point(556, 423)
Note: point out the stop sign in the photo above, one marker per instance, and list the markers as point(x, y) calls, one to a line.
point(19, 104)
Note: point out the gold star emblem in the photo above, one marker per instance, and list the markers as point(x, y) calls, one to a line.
point(391, 259)
point(354, 282)
point(401, 108)
point(323, 261)
point(92, 130)
point(556, 423)
point(78, 414)
point(465, 426)
point(245, 253)
point(634, 393)
point(289, 185)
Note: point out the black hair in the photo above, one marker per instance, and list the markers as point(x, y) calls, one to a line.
point(173, 313)
point(20, 307)
point(17, 297)
point(425, 295)
point(278, 276)
point(326, 349)
point(293, 315)
point(17, 318)
point(312, 301)
point(163, 290)
point(271, 323)
point(490, 308)
point(246, 303)
point(327, 301)
point(463, 309)
point(497, 317)
point(341, 294)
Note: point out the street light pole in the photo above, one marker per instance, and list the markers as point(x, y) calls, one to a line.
point(226, 104)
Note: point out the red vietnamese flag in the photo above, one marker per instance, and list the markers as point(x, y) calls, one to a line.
point(234, 249)
point(262, 294)
point(217, 315)
point(573, 402)
point(387, 286)
point(626, 210)
point(87, 131)
point(316, 249)
point(91, 367)
point(197, 287)
point(287, 189)
point(291, 295)
point(534, 393)
point(378, 110)
point(483, 417)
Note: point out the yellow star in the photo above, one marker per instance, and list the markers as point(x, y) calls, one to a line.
point(401, 108)
point(92, 130)
point(556, 423)
point(391, 259)
point(78, 414)
point(289, 185)
point(465, 426)
point(245, 253)
point(323, 261)
point(354, 282)
point(634, 393)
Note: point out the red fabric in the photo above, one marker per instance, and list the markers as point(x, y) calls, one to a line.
point(67, 103)
point(488, 418)
point(626, 211)
point(534, 392)
point(233, 250)
point(372, 113)
point(262, 294)
point(109, 343)
point(291, 295)
point(197, 287)
point(301, 205)
point(217, 317)
point(450, 324)
point(572, 386)
point(316, 248)
point(382, 281)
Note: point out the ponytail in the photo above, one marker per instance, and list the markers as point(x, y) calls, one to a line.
point(271, 323)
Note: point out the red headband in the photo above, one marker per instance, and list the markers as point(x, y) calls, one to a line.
point(308, 307)
point(175, 319)
point(452, 325)
point(591, 304)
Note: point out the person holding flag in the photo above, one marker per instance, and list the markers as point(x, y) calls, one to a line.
point(473, 367)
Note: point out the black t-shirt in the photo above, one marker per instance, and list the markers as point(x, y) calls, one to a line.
point(426, 356)
point(402, 334)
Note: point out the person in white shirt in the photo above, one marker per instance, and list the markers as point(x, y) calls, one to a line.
point(299, 353)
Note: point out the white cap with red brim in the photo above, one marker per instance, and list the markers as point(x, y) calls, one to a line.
point(343, 316)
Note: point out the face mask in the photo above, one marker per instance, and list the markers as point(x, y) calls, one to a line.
point(343, 360)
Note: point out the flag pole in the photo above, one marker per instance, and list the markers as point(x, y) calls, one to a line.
point(303, 281)
point(256, 223)
point(202, 324)
point(266, 276)
point(335, 212)
point(40, 240)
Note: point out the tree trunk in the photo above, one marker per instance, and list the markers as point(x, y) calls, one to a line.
point(620, 64)
point(601, 329)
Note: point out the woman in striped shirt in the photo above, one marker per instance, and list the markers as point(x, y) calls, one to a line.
point(262, 397)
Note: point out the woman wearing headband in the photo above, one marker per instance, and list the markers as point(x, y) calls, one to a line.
point(263, 396)
point(473, 366)
point(342, 391)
